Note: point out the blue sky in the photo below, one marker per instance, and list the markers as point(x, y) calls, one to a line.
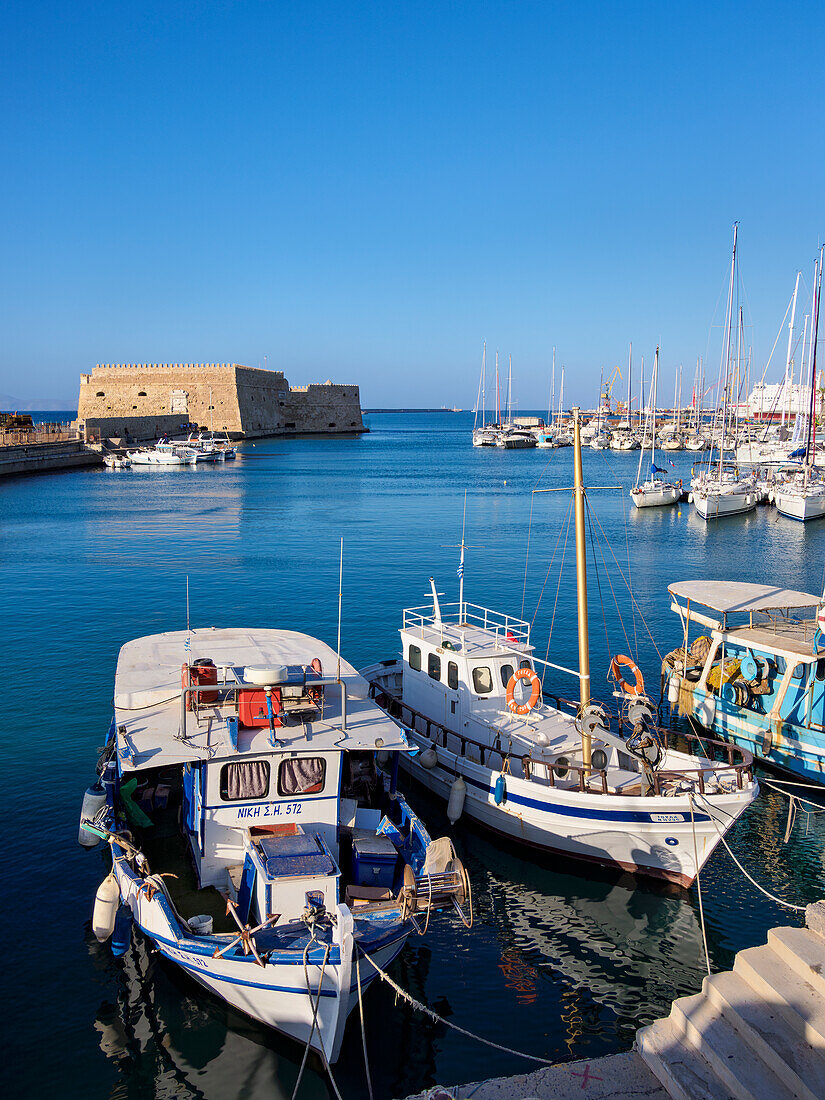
point(367, 191)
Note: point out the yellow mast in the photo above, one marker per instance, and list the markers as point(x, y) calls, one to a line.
point(581, 580)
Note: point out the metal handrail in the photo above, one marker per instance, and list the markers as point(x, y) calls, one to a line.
point(237, 685)
point(583, 774)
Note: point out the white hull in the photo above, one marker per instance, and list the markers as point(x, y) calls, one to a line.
point(551, 819)
point(712, 505)
point(655, 497)
point(800, 505)
point(276, 994)
point(150, 458)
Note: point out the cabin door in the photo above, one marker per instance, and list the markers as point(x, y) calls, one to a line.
point(452, 699)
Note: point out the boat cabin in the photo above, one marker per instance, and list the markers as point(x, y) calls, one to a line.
point(268, 755)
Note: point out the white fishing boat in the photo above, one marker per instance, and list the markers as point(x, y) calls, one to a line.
point(657, 490)
point(257, 768)
point(164, 453)
point(545, 773)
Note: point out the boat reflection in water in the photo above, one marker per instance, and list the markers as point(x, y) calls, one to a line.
point(631, 949)
point(168, 1039)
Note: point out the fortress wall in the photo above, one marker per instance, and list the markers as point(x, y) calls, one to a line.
point(134, 399)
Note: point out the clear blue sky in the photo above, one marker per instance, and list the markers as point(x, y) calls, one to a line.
point(367, 191)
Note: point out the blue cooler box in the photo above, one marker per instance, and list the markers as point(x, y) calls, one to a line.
point(373, 859)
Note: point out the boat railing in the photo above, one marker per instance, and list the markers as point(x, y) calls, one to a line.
point(588, 780)
point(507, 629)
point(193, 691)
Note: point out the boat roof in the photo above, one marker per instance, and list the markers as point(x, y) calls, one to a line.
point(148, 699)
point(738, 597)
point(469, 629)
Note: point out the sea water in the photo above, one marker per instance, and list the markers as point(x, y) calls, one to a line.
point(559, 964)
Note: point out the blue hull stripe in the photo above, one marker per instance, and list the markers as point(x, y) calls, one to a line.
point(197, 972)
point(637, 816)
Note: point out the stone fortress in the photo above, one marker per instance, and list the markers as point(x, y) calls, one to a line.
point(142, 401)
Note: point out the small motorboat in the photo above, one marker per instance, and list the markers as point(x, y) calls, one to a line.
point(116, 462)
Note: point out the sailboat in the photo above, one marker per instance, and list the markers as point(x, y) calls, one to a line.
point(541, 772)
point(720, 490)
point(510, 437)
point(803, 495)
point(484, 435)
point(656, 490)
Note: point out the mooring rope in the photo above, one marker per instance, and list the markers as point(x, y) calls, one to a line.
point(749, 877)
point(699, 886)
point(402, 993)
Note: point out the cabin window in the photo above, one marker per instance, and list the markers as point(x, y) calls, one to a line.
point(506, 673)
point(820, 669)
point(415, 658)
point(434, 666)
point(303, 775)
point(482, 680)
point(242, 781)
point(525, 664)
point(452, 675)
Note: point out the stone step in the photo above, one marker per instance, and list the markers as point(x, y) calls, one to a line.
point(769, 1034)
point(702, 1026)
point(783, 987)
point(804, 951)
point(683, 1071)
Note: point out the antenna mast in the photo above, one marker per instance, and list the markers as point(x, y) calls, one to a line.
point(340, 595)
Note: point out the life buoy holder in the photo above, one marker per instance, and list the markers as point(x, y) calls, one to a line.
point(637, 688)
point(523, 674)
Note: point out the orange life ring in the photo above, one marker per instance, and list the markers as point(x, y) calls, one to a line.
point(523, 674)
point(630, 689)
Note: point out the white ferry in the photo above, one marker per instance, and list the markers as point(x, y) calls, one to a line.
point(254, 840)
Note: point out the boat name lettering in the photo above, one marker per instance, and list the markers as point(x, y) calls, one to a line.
point(273, 809)
point(666, 819)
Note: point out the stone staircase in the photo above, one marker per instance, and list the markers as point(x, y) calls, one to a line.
point(755, 1032)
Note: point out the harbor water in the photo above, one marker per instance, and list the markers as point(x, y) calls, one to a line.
point(559, 964)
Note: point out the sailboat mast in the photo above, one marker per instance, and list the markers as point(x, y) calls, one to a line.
point(629, 386)
point(581, 579)
point(790, 343)
point(810, 452)
point(498, 395)
point(509, 391)
point(551, 410)
point(725, 365)
point(484, 385)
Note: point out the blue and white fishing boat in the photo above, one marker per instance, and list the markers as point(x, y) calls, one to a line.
point(254, 840)
point(544, 772)
point(751, 668)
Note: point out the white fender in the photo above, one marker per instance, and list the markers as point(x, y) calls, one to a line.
point(673, 689)
point(455, 803)
point(106, 902)
point(428, 758)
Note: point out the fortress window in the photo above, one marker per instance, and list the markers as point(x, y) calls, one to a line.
point(415, 658)
point(289, 424)
point(434, 666)
point(100, 393)
point(134, 406)
point(281, 404)
point(452, 675)
point(142, 393)
point(330, 425)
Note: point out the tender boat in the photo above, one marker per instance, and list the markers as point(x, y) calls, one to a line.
point(116, 462)
point(547, 773)
point(751, 668)
point(252, 776)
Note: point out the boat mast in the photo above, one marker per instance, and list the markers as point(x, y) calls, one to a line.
point(629, 385)
point(810, 450)
point(725, 364)
point(581, 581)
point(790, 341)
point(509, 391)
point(498, 396)
point(551, 412)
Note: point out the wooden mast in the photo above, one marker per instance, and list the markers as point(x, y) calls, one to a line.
point(581, 580)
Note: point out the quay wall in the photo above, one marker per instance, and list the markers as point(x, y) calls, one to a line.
point(33, 458)
point(130, 400)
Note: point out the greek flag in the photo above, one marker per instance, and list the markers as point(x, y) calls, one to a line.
point(460, 569)
point(187, 645)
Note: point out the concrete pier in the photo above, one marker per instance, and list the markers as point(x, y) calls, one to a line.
point(33, 458)
point(756, 1032)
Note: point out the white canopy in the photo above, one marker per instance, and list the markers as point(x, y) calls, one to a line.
point(735, 597)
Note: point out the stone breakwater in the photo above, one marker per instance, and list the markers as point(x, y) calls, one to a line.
point(142, 401)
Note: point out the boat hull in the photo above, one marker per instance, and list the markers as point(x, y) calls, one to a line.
point(801, 506)
point(717, 505)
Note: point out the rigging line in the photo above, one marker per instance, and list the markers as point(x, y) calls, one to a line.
point(607, 574)
point(699, 885)
point(527, 555)
point(598, 579)
point(614, 475)
point(632, 597)
point(558, 588)
point(550, 566)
